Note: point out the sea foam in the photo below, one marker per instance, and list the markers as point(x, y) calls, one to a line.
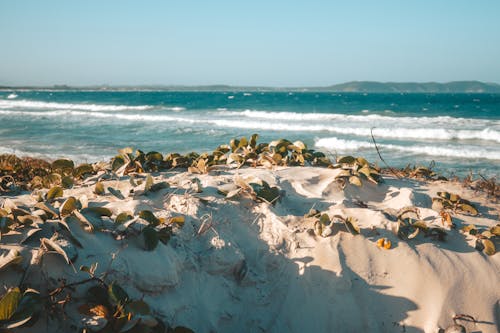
point(457, 152)
point(370, 118)
point(25, 104)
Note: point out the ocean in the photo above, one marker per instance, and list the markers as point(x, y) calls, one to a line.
point(459, 132)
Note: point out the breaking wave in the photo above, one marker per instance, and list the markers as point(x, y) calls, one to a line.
point(349, 145)
point(485, 134)
point(255, 114)
point(25, 104)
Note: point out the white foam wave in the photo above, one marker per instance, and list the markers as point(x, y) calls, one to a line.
point(78, 158)
point(25, 104)
point(458, 152)
point(175, 108)
point(135, 117)
point(368, 118)
point(341, 144)
point(486, 134)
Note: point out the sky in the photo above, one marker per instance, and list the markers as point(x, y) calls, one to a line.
point(259, 43)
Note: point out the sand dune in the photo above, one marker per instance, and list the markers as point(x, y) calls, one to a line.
point(238, 265)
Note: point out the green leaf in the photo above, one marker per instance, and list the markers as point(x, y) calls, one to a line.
point(243, 142)
point(420, 224)
point(149, 216)
point(63, 164)
point(67, 182)
point(138, 307)
point(159, 186)
point(265, 192)
point(234, 144)
point(150, 238)
point(324, 219)
point(53, 178)
point(253, 140)
point(123, 217)
point(164, 234)
point(362, 161)
point(154, 156)
point(55, 192)
point(444, 195)
point(468, 208)
point(117, 163)
point(9, 303)
point(82, 170)
point(99, 188)
point(352, 225)
point(116, 294)
point(30, 305)
point(98, 295)
point(346, 160)
point(116, 193)
point(177, 219)
point(68, 206)
point(100, 211)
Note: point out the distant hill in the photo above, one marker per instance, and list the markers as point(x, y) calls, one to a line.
point(414, 87)
point(354, 86)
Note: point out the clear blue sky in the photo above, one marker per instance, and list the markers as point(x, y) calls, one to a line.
point(275, 43)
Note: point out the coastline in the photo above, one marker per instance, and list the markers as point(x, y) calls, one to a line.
point(242, 234)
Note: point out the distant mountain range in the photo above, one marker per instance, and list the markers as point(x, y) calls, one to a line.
point(354, 86)
point(414, 87)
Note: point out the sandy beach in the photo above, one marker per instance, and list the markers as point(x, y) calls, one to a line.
point(249, 166)
point(208, 252)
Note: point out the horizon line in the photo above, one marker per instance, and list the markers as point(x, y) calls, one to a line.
point(225, 85)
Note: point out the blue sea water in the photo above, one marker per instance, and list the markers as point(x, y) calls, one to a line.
point(460, 132)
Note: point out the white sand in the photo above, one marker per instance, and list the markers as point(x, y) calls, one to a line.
point(257, 268)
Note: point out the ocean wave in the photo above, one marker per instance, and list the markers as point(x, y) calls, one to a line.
point(264, 125)
point(78, 158)
point(367, 118)
point(175, 108)
point(341, 144)
point(486, 134)
point(135, 117)
point(25, 104)
point(458, 152)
